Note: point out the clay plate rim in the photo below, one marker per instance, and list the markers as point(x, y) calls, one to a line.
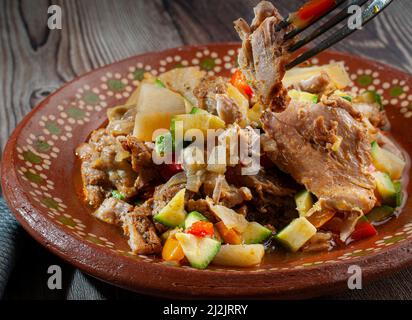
point(148, 278)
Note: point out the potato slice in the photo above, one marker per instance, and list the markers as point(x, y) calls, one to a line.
point(240, 255)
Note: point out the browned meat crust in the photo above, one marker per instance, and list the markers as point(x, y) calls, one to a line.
point(263, 56)
point(163, 195)
point(272, 200)
point(101, 170)
point(338, 174)
point(141, 155)
point(136, 224)
point(202, 206)
point(112, 211)
point(270, 182)
point(95, 182)
point(338, 102)
point(141, 231)
point(229, 195)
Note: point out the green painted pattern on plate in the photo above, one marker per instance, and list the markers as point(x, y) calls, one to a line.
point(207, 64)
point(67, 221)
point(138, 74)
point(76, 113)
point(42, 146)
point(31, 157)
point(396, 91)
point(53, 127)
point(33, 177)
point(364, 80)
point(91, 98)
point(50, 203)
point(115, 85)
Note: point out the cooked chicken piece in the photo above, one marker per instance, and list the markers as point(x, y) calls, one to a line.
point(277, 211)
point(136, 224)
point(207, 90)
point(368, 114)
point(184, 81)
point(317, 84)
point(141, 231)
point(336, 101)
point(93, 180)
point(325, 149)
point(202, 206)
point(162, 195)
point(102, 169)
point(263, 56)
point(372, 112)
point(271, 182)
point(272, 195)
point(112, 211)
point(141, 154)
point(228, 195)
point(228, 110)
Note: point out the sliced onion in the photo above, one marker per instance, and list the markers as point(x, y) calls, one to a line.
point(120, 127)
point(217, 191)
point(195, 180)
point(350, 221)
point(116, 113)
point(178, 178)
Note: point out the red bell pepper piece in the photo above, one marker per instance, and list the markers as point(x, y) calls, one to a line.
point(310, 11)
point(364, 229)
point(239, 81)
point(169, 170)
point(201, 229)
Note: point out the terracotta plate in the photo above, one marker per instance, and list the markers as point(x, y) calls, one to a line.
point(40, 183)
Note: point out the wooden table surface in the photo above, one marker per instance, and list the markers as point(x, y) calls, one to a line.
point(35, 61)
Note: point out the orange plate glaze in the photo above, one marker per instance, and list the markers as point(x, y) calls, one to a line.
point(39, 182)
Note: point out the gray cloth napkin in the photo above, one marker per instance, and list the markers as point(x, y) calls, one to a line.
point(9, 232)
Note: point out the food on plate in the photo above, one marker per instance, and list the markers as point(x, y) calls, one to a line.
point(205, 170)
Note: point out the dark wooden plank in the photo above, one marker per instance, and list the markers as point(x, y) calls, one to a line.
point(387, 38)
point(395, 287)
point(29, 276)
point(35, 61)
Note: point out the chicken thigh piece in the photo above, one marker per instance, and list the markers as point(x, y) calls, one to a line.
point(263, 56)
point(325, 149)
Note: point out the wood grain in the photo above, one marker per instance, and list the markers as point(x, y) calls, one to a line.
point(35, 61)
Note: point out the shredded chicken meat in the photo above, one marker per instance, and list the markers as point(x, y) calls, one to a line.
point(135, 221)
point(141, 156)
point(300, 163)
point(102, 169)
point(263, 56)
point(207, 90)
point(325, 149)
